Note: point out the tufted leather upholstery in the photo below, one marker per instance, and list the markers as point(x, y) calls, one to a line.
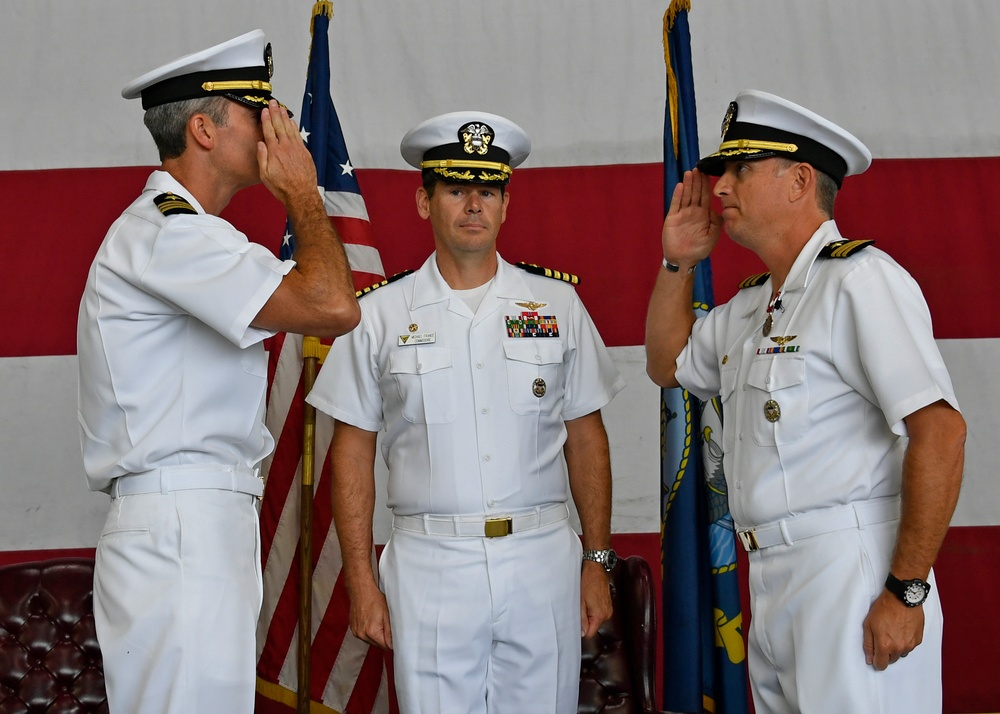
point(49, 658)
point(618, 674)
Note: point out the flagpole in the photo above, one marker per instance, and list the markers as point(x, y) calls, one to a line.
point(311, 356)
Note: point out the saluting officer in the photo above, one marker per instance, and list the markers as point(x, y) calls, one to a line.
point(173, 377)
point(487, 381)
point(843, 444)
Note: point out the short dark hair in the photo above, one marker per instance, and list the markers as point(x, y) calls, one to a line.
point(167, 123)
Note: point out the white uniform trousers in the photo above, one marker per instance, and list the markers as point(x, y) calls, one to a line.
point(177, 593)
point(485, 625)
point(808, 603)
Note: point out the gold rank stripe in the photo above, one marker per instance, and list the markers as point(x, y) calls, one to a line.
point(257, 84)
point(754, 280)
point(842, 249)
point(548, 272)
point(381, 283)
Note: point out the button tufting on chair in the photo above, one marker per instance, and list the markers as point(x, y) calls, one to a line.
point(49, 657)
point(618, 672)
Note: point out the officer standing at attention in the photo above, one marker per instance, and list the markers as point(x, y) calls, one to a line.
point(173, 377)
point(487, 381)
point(843, 444)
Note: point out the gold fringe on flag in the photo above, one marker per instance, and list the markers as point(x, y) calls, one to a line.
point(322, 7)
point(669, 17)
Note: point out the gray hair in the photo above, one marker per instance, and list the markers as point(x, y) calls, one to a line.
point(168, 122)
point(826, 187)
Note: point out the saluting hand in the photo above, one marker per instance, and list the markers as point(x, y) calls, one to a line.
point(691, 228)
point(286, 166)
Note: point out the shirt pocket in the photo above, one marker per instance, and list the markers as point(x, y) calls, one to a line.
point(534, 375)
point(727, 379)
point(778, 400)
point(424, 377)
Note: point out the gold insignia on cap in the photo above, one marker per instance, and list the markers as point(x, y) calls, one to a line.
point(772, 411)
point(269, 61)
point(730, 117)
point(476, 138)
point(529, 305)
point(538, 388)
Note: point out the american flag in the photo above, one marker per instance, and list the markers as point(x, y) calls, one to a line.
point(346, 675)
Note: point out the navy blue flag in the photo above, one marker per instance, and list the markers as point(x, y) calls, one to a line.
point(704, 655)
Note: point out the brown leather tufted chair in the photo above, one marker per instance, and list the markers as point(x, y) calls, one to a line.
point(618, 674)
point(49, 658)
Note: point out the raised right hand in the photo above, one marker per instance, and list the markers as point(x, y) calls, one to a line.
point(286, 166)
point(691, 228)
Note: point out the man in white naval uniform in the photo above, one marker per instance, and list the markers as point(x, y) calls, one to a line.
point(843, 445)
point(173, 377)
point(488, 380)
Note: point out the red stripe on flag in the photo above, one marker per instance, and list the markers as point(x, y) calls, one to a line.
point(362, 699)
point(354, 231)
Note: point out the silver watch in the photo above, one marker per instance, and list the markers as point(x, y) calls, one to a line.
point(607, 558)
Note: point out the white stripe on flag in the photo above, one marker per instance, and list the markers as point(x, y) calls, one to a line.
point(345, 204)
point(364, 259)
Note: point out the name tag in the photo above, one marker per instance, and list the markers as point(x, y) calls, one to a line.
point(418, 338)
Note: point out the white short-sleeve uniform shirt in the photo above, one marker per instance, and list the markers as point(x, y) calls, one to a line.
point(171, 372)
point(813, 412)
point(473, 404)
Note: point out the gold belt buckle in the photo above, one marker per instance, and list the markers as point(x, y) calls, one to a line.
point(498, 527)
point(749, 540)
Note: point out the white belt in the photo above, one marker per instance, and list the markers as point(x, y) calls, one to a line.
point(241, 479)
point(814, 523)
point(482, 526)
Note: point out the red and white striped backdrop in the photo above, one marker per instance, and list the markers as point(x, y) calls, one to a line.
point(585, 78)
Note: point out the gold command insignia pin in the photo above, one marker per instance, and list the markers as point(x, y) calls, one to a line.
point(772, 411)
point(725, 358)
point(529, 305)
point(413, 327)
point(538, 388)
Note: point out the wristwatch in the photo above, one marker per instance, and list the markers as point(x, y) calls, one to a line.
point(911, 592)
point(607, 558)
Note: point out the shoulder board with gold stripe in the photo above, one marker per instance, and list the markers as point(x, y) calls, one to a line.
point(754, 280)
point(170, 204)
point(843, 248)
point(549, 273)
point(364, 291)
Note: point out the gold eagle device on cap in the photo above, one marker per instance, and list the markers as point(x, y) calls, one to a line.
point(759, 125)
point(239, 69)
point(466, 147)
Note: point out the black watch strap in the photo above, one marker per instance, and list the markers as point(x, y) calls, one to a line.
point(911, 592)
